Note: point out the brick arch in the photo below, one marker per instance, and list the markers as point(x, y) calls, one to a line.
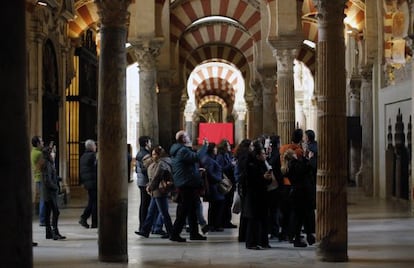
point(216, 86)
point(218, 53)
point(222, 34)
point(184, 13)
point(86, 17)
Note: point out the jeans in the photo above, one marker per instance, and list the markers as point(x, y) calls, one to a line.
point(157, 204)
point(42, 208)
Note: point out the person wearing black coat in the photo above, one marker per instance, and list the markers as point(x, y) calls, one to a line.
point(255, 205)
point(50, 192)
point(299, 172)
point(89, 179)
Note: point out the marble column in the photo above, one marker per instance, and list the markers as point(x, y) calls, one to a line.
point(250, 116)
point(269, 100)
point(165, 109)
point(285, 93)
point(365, 174)
point(257, 121)
point(112, 134)
point(354, 112)
point(332, 222)
point(16, 202)
point(239, 127)
point(146, 51)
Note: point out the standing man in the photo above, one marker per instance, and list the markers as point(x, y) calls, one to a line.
point(36, 160)
point(89, 179)
point(188, 181)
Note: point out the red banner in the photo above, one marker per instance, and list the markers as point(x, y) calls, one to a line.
point(215, 132)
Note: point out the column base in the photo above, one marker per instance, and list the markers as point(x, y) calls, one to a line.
point(332, 255)
point(114, 258)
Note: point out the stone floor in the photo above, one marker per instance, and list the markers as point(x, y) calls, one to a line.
point(381, 234)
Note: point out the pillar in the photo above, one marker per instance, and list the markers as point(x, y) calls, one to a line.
point(165, 110)
point(146, 50)
point(354, 112)
point(16, 196)
point(269, 105)
point(112, 122)
point(285, 91)
point(332, 226)
point(365, 173)
point(239, 126)
point(257, 120)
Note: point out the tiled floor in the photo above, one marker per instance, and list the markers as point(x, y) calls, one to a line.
point(381, 235)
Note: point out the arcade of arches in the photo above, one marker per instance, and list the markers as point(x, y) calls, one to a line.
point(342, 68)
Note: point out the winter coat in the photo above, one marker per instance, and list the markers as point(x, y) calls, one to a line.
point(88, 170)
point(158, 171)
point(214, 175)
point(49, 181)
point(255, 189)
point(185, 165)
point(225, 161)
point(140, 168)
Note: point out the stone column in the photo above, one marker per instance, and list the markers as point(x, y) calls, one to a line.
point(286, 92)
point(354, 112)
point(112, 166)
point(164, 110)
point(146, 50)
point(365, 174)
point(16, 203)
point(257, 120)
point(332, 226)
point(250, 116)
point(239, 127)
point(269, 103)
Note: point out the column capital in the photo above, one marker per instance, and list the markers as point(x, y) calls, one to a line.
point(256, 96)
point(164, 80)
point(366, 72)
point(269, 78)
point(146, 50)
point(113, 12)
point(355, 82)
point(284, 59)
point(285, 42)
point(330, 10)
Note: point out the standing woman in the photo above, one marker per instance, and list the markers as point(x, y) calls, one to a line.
point(227, 163)
point(50, 192)
point(255, 207)
point(215, 198)
point(159, 185)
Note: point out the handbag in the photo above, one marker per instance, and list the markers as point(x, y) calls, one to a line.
point(225, 185)
point(166, 184)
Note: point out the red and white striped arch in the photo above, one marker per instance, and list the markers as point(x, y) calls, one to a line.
point(215, 78)
point(355, 17)
point(215, 86)
point(183, 15)
point(86, 16)
point(217, 33)
point(212, 98)
point(217, 53)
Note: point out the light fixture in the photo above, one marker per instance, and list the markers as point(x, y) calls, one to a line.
point(309, 43)
point(41, 3)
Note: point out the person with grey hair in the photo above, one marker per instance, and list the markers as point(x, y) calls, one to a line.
point(88, 177)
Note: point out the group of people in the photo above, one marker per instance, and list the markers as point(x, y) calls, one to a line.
point(276, 188)
point(48, 185)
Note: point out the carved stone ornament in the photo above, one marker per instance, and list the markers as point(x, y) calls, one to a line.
point(113, 12)
point(330, 9)
point(146, 52)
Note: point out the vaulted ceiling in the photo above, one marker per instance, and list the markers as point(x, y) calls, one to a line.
point(230, 36)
